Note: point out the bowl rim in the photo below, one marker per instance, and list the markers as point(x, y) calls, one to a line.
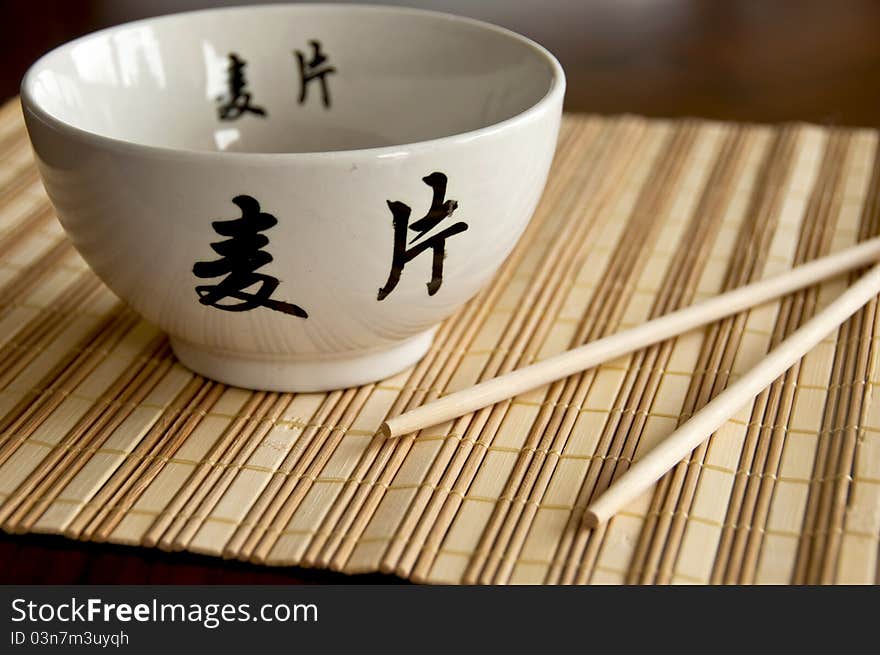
point(554, 93)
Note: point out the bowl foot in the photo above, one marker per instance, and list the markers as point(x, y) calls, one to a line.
point(303, 374)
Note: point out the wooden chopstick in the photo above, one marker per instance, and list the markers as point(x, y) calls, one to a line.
point(615, 345)
point(663, 457)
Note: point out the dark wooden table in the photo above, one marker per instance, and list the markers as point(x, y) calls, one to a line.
point(49, 559)
point(764, 61)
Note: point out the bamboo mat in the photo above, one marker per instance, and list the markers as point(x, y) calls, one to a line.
point(104, 437)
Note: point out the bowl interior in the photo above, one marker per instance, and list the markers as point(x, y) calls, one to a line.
point(291, 79)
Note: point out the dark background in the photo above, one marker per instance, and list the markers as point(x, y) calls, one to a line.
point(744, 60)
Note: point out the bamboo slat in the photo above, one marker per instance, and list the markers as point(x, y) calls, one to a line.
point(104, 436)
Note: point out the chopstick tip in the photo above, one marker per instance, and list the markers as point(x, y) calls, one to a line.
point(385, 430)
point(591, 519)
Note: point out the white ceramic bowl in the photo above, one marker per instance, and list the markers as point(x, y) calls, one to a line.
point(360, 171)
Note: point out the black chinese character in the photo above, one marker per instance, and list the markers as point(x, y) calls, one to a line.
point(240, 257)
point(315, 68)
point(239, 100)
point(440, 209)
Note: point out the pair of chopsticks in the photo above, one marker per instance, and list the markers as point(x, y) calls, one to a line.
point(650, 468)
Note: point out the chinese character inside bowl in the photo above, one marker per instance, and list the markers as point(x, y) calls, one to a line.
point(297, 194)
